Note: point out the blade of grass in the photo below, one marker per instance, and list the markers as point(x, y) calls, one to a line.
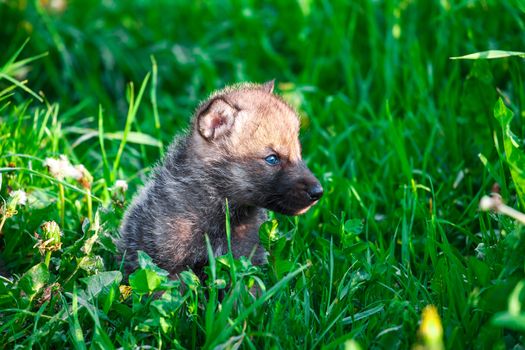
point(490, 54)
point(132, 112)
point(105, 162)
point(21, 85)
point(75, 330)
point(228, 237)
point(153, 97)
point(51, 179)
point(13, 57)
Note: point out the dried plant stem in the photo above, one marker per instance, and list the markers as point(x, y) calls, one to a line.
point(513, 213)
point(494, 203)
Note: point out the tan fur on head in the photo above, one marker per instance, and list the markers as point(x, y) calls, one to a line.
point(256, 121)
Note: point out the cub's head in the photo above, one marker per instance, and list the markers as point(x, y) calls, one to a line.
point(248, 138)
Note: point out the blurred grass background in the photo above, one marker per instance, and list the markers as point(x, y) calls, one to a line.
point(391, 126)
point(347, 60)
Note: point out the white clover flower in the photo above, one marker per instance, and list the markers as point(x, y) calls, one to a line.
point(62, 168)
point(119, 193)
point(121, 185)
point(85, 178)
point(18, 197)
point(489, 203)
point(51, 238)
point(51, 230)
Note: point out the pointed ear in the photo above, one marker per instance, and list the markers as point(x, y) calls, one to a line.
point(268, 86)
point(215, 119)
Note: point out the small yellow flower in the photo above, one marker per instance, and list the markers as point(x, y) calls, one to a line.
point(431, 330)
point(125, 291)
point(352, 345)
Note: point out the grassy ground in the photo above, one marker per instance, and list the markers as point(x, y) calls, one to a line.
point(404, 140)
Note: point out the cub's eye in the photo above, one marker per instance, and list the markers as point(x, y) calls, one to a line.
point(272, 160)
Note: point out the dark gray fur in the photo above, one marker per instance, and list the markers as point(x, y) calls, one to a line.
point(181, 187)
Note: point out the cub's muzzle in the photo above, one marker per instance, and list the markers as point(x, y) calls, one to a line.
point(315, 192)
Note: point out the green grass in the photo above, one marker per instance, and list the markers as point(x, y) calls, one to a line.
point(404, 140)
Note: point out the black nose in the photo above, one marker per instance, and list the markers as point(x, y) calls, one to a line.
point(315, 192)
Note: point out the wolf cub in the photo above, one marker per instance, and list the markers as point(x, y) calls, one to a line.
point(242, 146)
